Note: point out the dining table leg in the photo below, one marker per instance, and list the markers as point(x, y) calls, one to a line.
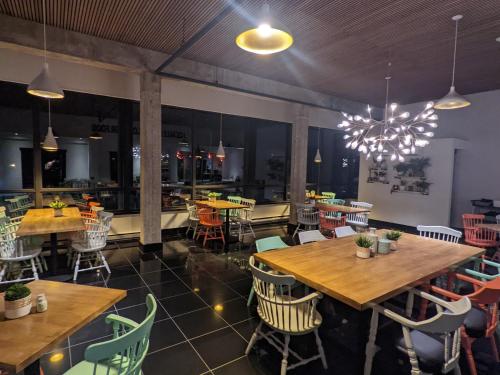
point(33, 368)
point(227, 234)
point(53, 253)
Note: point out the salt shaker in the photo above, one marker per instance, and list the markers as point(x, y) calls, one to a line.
point(41, 303)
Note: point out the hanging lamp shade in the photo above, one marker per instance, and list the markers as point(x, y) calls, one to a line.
point(45, 86)
point(267, 36)
point(317, 158)
point(452, 100)
point(50, 143)
point(220, 151)
point(95, 135)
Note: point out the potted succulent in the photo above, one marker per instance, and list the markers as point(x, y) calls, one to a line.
point(17, 301)
point(393, 236)
point(57, 206)
point(364, 244)
point(212, 196)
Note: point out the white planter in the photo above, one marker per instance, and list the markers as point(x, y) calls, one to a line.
point(363, 252)
point(394, 245)
point(18, 308)
point(384, 246)
point(58, 212)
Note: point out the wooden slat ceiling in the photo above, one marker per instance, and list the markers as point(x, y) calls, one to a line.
point(341, 47)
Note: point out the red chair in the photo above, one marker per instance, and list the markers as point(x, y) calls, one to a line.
point(482, 320)
point(328, 221)
point(211, 225)
point(480, 237)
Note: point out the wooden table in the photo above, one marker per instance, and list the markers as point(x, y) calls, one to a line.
point(493, 227)
point(221, 204)
point(23, 341)
point(340, 208)
point(39, 221)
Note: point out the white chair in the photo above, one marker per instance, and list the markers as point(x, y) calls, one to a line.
point(359, 220)
point(307, 218)
point(344, 232)
point(244, 218)
point(310, 236)
point(16, 259)
point(193, 219)
point(89, 250)
point(432, 345)
point(285, 314)
point(439, 233)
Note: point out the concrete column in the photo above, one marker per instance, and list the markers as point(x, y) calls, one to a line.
point(150, 134)
point(298, 167)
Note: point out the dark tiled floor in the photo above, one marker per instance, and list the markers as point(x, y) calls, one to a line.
point(203, 325)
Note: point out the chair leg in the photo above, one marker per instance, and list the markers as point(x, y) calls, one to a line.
point(44, 263)
point(253, 339)
point(39, 264)
point(222, 235)
point(284, 361)
point(33, 268)
point(370, 346)
point(424, 303)
point(250, 296)
point(321, 351)
point(457, 370)
point(77, 266)
point(3, 271)
point(251, 230)
point(188, 228)
point(206, 236)
point(467, 345)
point(296, 230)
point(195, 230)
point(494, 348)
point(104, 262)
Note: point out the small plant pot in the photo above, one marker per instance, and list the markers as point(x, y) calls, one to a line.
point(384, 246)
point(394, 245)
point(58, 212)
point(18, 308)
point(363, 252)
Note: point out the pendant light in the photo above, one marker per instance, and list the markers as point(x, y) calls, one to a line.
point(50, 143)
point(267, 36)
point(220, 150)
point(95, 135)
point(453, 99)
point(44, 85)
point(317, 158)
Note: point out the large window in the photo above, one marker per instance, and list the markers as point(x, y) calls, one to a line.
point(256, 162)
point(338, 171)
point(95, 136)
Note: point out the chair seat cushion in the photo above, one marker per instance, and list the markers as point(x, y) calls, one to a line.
point(429, 350)
point(475, 323)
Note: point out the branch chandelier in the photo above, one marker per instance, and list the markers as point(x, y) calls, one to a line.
point(397, 134)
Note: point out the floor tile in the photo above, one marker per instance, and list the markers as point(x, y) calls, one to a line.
point(179, 360)
point(217, 295)
point(220, 347)
point(78, 351)
point(243, 286)
point(242, 366)
point(199, 322)
point(247, 328)
point(182, 304)
point(138, 313)
point(134, 297)
point(126, 282)
point(235, 311)
point(169, 289)
point(120, 271)
point(55, 363)
point(158, 277)
point(95, 329)
point(163, 334)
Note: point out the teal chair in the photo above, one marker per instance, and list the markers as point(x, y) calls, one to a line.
point(265, 244)
point(328, 194)
point(482, 264)
point(339, 202)
point(233, 213)
point(125, 352)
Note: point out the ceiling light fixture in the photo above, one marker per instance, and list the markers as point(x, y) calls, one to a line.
point(267, 37)
point(317, 158)
point(453, 99)
point(50, 143)
point(396, 134)
point(44, 85)
point(95, 135)
point(220, 150)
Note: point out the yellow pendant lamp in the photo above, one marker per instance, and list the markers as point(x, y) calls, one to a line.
point(267, 37)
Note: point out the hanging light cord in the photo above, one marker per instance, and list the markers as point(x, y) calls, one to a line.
point(50, 122)
point(44, 34)
point(319, 130)
point(387, 79)
point(454, 54)
point(220, 128)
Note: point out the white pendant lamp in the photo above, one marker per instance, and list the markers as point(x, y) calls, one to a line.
point(44, 85)
point(317, 158)
point(267, 36)
point(50, 143)
point(220, 150)
point(453, 99)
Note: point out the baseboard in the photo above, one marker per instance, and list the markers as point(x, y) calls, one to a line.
point(150, 247)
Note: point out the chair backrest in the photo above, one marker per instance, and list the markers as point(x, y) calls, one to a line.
point(345, 231)
point(328, 194)
point(96, 236)
point(276, 305)
point(105, 218)
point(336, 201)
point(439, 233)
point(247, 213)
point(310, 236)
point(360, 218)
point(362, 205)
point(192, 212)
point(475, 234)
point(128, 347)
point(270, 243)
point(307, 216)
point(330, 220)
point(8, 241)
point(209, 216)
point(471, 220)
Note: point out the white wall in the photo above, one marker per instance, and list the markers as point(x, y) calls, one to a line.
point(477, 174)
point(410, 208)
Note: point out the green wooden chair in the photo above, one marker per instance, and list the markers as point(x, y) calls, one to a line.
point(265, 244)
point(328, 194)
point(125, 352)
point(484, 269)
point(233, 213)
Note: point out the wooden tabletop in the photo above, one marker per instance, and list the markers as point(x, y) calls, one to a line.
point(493, 227)
point(39, 221)
point(319, 197)
point(340, 208)
point(220, 204)
point(70, 307)
point(332, 267)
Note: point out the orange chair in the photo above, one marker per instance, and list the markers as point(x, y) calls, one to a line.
point(482, 320)
point(211, 225)
point(480, 237)
point(328, 221)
